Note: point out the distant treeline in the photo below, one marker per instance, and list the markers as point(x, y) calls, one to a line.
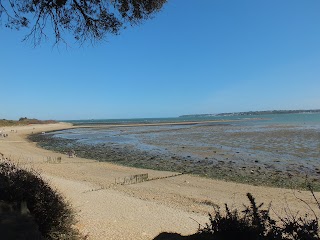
point(253, 113)
point(24, 121)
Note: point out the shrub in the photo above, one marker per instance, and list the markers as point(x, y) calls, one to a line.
point(255, 223)
point(252, 223)
point(54, 216)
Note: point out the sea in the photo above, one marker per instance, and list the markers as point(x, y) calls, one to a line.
point(264, 119)
point(296, 136)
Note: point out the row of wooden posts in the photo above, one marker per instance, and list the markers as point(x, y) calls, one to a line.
point(132, 179)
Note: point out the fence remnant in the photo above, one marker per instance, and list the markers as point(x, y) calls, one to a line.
point(53, 159)
point(132, 179)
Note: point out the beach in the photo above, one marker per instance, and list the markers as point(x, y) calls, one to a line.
point(169, 202)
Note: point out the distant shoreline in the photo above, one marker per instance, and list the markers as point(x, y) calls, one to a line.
point(250, 113)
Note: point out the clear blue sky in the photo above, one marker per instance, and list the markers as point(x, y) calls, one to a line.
point(205, 56)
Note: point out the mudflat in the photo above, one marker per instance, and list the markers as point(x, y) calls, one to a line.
point(250, 152)
point(169, 202)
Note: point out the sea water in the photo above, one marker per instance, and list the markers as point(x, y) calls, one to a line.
point(295, 136)
point(268, 119)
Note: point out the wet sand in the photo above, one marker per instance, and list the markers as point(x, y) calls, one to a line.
point(142, 210)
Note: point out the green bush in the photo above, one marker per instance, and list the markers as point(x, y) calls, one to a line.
point(52, 214)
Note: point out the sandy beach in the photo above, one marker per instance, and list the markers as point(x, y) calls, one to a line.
point(168, 203)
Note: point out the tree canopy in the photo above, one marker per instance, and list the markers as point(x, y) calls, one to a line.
point(84, 19)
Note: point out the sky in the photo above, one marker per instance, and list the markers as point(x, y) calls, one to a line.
point(208, 56)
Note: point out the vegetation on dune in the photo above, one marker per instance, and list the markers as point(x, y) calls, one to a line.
point(24, 121)
point(52, 215)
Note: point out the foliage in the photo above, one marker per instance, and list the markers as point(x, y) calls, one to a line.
point(85, 19)
point(24, 121)
point(54, 216)
point(252, 223)
point(255, 223)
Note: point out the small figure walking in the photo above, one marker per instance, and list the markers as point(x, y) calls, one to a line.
point(71, 153)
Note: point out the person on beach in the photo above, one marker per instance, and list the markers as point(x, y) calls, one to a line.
point(71, 153)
